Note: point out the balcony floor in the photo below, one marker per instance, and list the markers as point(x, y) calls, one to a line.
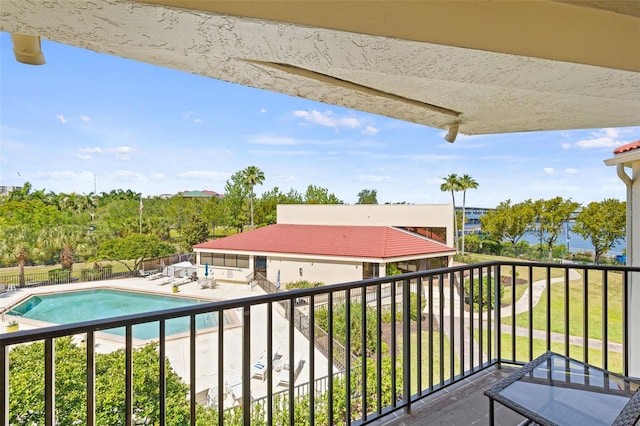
point(460, 404)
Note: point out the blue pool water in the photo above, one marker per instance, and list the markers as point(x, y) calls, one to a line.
point(85, 305)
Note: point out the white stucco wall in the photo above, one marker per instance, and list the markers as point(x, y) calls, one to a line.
point(633, 259)
point(313, 270)
point(631, 162)
point(432, 215)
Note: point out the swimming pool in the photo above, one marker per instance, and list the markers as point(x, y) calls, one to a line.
point(85, 305)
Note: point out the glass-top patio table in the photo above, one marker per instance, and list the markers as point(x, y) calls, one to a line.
point(557, 390)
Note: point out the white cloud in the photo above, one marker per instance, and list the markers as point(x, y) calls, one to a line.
point(612, 133)
point(370, 130)
point(549, 170)
point(83, 157)
point(61, 118)
point(603, 138)
point(85, 118)
point(566, 145)
point(263, 110)
point(121, 150)
point(571, 171)
point(602, 142)
point(94, 150)
point(327, 119)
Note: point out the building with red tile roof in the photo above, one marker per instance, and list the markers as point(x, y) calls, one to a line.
point(628, 147)
point(322, 252)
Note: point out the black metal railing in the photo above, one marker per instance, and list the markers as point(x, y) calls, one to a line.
point(421, 332)
point(39, 279)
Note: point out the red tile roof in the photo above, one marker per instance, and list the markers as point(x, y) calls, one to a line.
point(326, 240)
point(628, 147)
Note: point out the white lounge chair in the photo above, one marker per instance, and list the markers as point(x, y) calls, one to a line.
point(283, 377)
point(206, 283)
point(259, 370)
point(155, 276)
point(167, 280)
point(233, 385)
point(182, 281)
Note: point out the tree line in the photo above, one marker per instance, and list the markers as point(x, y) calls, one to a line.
point(47, 228)
point(601, 223)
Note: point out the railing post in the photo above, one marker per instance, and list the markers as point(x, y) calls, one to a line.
point(4, 383)
point(246, 366)
point(128, 375)
point(497, 324)
point(632, 309)
point(406, 342)
point(90, 347)
point(49, 382)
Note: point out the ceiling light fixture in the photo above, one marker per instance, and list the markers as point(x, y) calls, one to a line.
point(27, 49)
point(452, 134)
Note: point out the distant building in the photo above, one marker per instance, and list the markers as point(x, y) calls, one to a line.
point(201, 194)
point(6, 190)
point(333, 244)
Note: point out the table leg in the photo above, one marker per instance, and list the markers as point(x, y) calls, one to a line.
point(491, 420)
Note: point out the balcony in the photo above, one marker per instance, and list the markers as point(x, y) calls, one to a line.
point(364, 352)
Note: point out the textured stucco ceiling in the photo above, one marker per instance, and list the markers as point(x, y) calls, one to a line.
point(526, 74)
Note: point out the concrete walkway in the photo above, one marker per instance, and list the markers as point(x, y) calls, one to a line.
point(469, 342)
point(538, 287)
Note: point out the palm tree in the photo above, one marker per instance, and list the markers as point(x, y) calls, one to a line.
point(17, 245)
point(63, 242)
point(452, 183)
point(252, 176)
point(465, 182)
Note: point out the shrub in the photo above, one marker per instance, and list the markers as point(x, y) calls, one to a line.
point(59, 276)
point(303, 284)
point(96, 273)
point(355, 325)
point(413, 310)
point(474, 296)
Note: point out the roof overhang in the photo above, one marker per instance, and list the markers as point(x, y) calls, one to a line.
point(325, 258)
point(627, 159)
point(475, 67)
point(626, 155)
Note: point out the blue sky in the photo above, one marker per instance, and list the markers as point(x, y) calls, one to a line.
point(88, 120)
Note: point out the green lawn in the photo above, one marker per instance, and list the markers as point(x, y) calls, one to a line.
point(576, 304)
point(540, 346)
point(428, 358)
point(521, 273)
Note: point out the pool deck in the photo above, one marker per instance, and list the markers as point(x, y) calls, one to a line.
point(177, 347)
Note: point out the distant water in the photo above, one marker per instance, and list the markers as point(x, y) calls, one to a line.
point(575, 242)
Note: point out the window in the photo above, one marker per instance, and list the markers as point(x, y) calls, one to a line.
point(225, 260)
point(370, 270)
point(438, 234)
point(243, 261)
